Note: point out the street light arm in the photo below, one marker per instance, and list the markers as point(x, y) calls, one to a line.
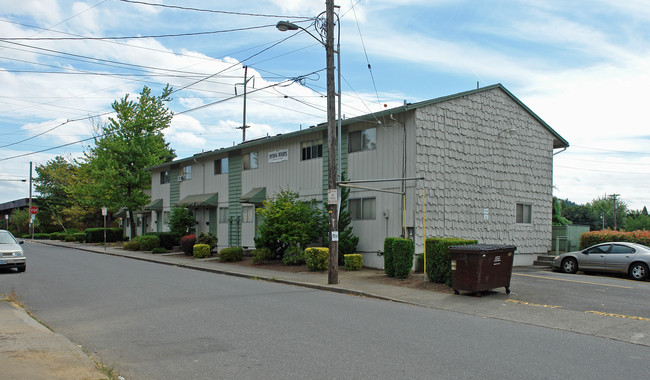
point(284, 26)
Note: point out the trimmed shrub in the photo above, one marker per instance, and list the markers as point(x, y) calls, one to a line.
point(167, 240)
point(187, 244)
point(96, 235)
point(133, 245)
point(57, 236)
point(79, 236)
point(209, 239)
point(41, 236)
point(293, 256)
point(402, 257)
point(588, 239)
point(262, 255)
point(389, 269)
point(148, 242)
point(201, 251)
point(353, 261)
point(69, 238)
point(159, 250)
point(231, 254)
point(317, 258)
point(439, 260)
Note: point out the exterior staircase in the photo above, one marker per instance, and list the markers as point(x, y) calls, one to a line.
point(544, 260)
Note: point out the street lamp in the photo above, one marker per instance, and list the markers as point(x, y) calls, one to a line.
point(333, 174)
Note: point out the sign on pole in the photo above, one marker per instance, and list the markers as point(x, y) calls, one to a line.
point(33, 210)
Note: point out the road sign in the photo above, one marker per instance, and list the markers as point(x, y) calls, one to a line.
point(33, 210)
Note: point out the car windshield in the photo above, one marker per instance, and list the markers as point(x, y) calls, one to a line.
point(6, 238)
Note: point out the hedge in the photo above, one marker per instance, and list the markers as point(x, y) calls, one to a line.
point(96, 235)
point(588, 239)
point(262, 255)
point(353, 261)
point(148, 242)
point(167, 240)
point(231, 254)
point(389, 269)
point(133, 245)
point(187, 244)
point(402, 257)
point(201, 251)
point(438, 259)
point(317, 258)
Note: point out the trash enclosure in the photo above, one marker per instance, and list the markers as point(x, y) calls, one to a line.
point(480, 267)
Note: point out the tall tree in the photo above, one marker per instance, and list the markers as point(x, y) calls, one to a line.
point(115, 168)
point(557, 218)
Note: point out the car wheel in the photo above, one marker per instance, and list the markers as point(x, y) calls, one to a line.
point(639, 271)
point(569, 265)
point(21, 268)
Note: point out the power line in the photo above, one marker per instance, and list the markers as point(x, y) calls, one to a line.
point(212, 11)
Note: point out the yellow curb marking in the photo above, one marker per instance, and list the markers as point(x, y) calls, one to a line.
point(619, 315)
point(535, 304)
point(580, 282)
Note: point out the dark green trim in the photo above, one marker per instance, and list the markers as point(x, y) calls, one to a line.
point(256, 196)
point(200, 200)
point(155, 205)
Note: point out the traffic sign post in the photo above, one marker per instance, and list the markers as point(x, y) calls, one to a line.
point(33, 210)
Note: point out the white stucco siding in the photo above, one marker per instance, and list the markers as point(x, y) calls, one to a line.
point(472, 164)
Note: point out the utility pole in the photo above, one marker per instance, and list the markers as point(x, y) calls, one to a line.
point(613, 198)
point(246, 79)
point(332, 195)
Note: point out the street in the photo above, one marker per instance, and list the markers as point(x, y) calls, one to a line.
point(154, 321)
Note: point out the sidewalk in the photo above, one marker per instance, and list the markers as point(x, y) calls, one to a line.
point(497, 305)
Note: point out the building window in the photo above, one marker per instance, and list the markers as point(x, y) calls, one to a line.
point(164, 177)
point(248, 214)
point(362, 208)
point(187, 173)
point(223, 214)
point(221, 166)
point(250, 160)
point(362, 140)
point(311, 149)
point(524, 213)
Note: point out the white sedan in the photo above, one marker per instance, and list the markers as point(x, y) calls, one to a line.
point(11, 253)
point(616, 257)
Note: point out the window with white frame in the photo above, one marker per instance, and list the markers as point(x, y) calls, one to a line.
point(250, 160)
point(186, 172)
point(365, 139)
point(524, 212)
point(362, 208)
point(248, 214)
point(221, 166)
point(311, 149)
point(223, 214)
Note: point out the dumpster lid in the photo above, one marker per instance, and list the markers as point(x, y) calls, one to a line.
point(476, 248)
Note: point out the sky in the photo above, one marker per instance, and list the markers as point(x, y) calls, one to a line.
point(582, 66)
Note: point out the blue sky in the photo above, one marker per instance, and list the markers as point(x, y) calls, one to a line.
point(582, 66)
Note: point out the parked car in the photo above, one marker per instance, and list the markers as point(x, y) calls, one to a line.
point(11, 253)
point(615, 257)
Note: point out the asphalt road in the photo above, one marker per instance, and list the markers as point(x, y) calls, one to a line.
point(154, 321)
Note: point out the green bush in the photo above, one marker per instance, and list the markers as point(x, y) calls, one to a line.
point(96, 235)
point(262, 256)
point(201, 251)
point(69, 238)
point(79, 236)
point(148, 242)
point(293, 256)
point(402, 257)
point(133, 245)
point(317, 258)
point(41, 236)
point(389, 268)
point(57, 236)
point(231, 254)
point(353, 261)
point(167, 240)
point(209, 239)
point(439, 260)
point(159, 250)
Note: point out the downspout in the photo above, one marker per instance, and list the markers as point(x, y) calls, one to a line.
point(403, 208)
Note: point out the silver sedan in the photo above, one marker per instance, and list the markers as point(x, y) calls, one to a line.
point(616, 257)
point(11, 253)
